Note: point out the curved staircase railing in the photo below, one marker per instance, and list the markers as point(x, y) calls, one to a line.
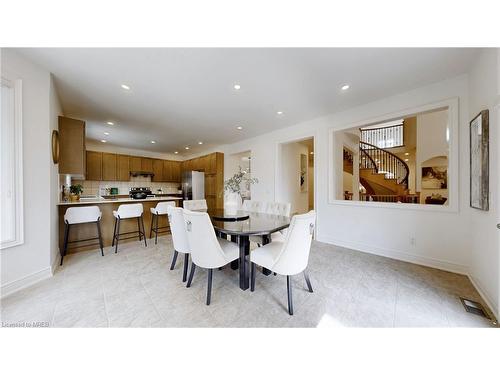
point(383, 161)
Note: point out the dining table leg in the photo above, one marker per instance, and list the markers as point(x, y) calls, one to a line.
point(244, 249)
point(234, 263)
point(265, 240)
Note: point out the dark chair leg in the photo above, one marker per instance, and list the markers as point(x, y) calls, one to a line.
point(185, 271)
point(117, 235)
point(143, 231)
point(139, 226)
point(65, 246)
point(156, 231)
point(174, 259)
point(209, 287)
point(100, 236)
point(191, 274)
point(306, 276)
point(252, 276)
point(289, 290)
point(151, 228)
point(114, 233)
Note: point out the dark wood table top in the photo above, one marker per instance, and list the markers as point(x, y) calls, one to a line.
point(259, 224)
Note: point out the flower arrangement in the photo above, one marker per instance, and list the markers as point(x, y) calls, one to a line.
point(233, 184)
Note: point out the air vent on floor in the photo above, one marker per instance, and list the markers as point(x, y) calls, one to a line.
point(474, 307)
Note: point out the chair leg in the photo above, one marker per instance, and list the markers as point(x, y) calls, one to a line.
point(306, 276)
point(174, 259)
point(114, 233)
point(117, 235)
point(65, 245)
point(139, 226)
point(252, 276)
point(289, 290)
point(143, 231)
point(185, 271)
point(151, 227)
point(209, 286)
point(156, 231)
point(100, 236)
point(191, 274)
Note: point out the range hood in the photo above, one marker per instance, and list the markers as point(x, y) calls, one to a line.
point(141, 173)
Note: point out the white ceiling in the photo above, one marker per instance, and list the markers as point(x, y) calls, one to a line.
point(181, 96)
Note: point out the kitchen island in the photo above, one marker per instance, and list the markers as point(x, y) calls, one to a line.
point(107, 206)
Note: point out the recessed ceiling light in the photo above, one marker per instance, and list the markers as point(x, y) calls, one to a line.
point(407, 159)
point(407, 153)
point(176, 152)
point(279, 113)
point(239, 127)
point(200, 142)
point(110, 123)
point(125, 87)
point(237, 87)
point(187, 147)
point(103, 141)
point(312, 153)
point(153, 141)
point(345, 87)
point(106, 133)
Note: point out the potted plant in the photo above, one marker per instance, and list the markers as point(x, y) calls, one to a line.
point(232, 187)
point(74, 192)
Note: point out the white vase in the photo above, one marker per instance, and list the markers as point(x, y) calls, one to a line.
point(232, 202)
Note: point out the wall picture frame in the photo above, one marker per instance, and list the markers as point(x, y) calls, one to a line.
point(479, 161)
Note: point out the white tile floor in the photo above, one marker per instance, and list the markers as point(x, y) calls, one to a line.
point(135, 288)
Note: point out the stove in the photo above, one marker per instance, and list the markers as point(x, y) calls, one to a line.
point(140, 192)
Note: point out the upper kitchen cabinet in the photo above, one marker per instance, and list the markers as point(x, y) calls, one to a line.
point(146, 165)
point(176, 171)
point(109, 167)
point(71, 146)
point(94, 166)
point(123, 168)
point(158, 170)
point(135, 164)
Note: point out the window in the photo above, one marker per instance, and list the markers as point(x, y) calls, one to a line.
point(406, 160)
point(11, 188)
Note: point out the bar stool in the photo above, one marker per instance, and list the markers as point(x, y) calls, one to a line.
point(81, 215)
point(124, 212)
point(156, 212)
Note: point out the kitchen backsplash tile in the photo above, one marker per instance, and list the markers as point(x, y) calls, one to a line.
point(94, 187)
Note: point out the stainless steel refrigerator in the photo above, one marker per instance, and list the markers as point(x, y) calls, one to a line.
point(193, 185)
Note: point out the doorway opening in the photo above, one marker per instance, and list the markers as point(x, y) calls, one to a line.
point(295, 182)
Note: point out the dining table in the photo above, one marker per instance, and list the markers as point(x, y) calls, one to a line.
point(240, 225)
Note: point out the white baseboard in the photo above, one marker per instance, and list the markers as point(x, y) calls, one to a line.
point(26, 281)
point(484, 295)
point(399, 255)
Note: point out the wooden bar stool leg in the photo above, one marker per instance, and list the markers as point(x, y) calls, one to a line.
point(143, 231)
point(117, 235)
point(100, 236)
point(151, 228)
point(156, 231)
point(65, 246)
point(139, 226)
point(114, 233)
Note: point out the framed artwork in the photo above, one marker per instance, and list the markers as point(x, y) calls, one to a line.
point(303, 173)
point(479, 161)
point(434, 177)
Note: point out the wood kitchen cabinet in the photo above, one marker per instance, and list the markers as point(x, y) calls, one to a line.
point(72, 157)
point(158, 170)
point(94, 166)
point(123, 168)
point(176, 171)
point(109, 167)
point(135, 163)
point(146, 165)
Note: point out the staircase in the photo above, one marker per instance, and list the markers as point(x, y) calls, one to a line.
point(381, 172)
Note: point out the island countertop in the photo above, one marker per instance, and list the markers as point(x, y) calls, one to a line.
point(118, 200)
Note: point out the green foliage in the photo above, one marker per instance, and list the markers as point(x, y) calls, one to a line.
point(234, 183)
point(76, 189)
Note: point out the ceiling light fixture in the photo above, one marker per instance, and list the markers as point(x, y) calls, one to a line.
point(176, 152)
point(153, 141)
point(187, 147)
point(279, 113)
point(237, 87)
point(103, 141)
point(407, 153)
point(110, 123)
point(200, 142)
point(407, 159)
point(312, 153)
point(239, 127)
point(106, 133)
point(345, 87)
point(125, 87)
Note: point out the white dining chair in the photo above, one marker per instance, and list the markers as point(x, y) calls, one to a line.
point(272, 208)
point(194, 205)
point(179, 237)
point(253, 206)
point(288, 257)
point(156, 212)
point(207, 250)
point(126, 212)
point(81, 215)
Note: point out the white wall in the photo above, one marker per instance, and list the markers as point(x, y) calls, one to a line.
point(484, 93)
point(31, 261)
point(290, 177)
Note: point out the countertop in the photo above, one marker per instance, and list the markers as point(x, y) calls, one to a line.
point(118, 200)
